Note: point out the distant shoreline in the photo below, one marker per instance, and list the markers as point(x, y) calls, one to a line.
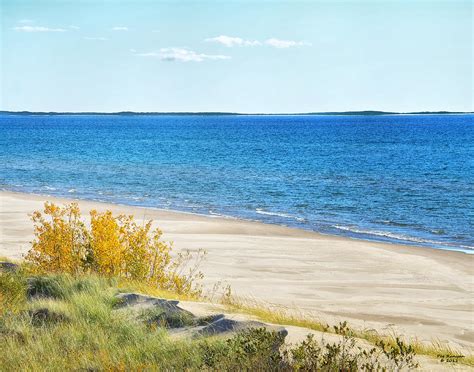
point(216, 113)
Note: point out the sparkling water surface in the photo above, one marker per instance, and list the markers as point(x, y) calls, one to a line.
point(397, 178)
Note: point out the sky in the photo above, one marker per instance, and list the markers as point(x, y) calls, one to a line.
point(236, 56)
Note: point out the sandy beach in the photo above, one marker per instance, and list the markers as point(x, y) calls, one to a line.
point(413, 291)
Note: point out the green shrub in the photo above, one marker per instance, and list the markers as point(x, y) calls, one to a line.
point(307, 356)
point(399, 354)
point(46, 287)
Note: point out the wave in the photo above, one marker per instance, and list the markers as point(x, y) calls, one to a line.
point(322, 225)
point(216, 215)
point(415, 226)
point(392, 223)
point(401, 237)
point(277, 214)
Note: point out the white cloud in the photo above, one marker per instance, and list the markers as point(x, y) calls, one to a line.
point(25, 21)
point(119, 28)
point(99, 38)
point(72, 27)
point(38, 29)
point(230, 41)
point(278, 43)
point(182, 55)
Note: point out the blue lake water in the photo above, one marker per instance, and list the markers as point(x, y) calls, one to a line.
point(397, 178)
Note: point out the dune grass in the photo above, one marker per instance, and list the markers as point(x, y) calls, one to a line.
point(89, 334)
point(284, 316)
point(59, 321)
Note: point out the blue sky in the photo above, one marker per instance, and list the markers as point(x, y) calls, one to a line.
point(238, 56)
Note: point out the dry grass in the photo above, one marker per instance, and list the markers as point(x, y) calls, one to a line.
point(281, 315)
point(78, 327)
point(277, 314)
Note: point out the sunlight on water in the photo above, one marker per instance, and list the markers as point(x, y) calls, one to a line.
point(406, 178)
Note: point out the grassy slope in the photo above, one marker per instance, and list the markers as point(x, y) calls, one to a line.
point(92, 336)
point(277, 315)
point(95, 336)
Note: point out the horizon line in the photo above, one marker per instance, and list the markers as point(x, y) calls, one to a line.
point(361, 112)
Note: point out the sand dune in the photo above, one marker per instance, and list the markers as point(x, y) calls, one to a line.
point(414, 291)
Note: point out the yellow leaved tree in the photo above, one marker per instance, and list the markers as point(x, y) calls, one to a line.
point(112, 246)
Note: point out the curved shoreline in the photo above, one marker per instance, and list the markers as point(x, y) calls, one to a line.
point(366, 237)
point(261, 228)
point(414, 291)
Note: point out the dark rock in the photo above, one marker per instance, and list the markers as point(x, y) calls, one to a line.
point(157, 311)
point(44, 316)
point(225, 326)
point(166, 313)
point(8, 267)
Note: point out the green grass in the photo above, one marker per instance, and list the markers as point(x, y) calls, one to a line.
point(58, 322)
point(93, 335)
point(285, 316)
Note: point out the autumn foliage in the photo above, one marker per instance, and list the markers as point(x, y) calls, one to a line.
point(111, 246)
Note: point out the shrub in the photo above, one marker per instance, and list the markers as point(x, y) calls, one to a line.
point(52, 286)
point(400, 355)
point(306, 356)
point(113, 246)
point(255, 349)
point(62, 241)
point(345, 355)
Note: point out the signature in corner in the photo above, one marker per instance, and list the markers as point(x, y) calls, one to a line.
point(450, 358)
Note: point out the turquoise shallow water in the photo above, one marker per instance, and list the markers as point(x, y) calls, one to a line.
point(397, 178)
